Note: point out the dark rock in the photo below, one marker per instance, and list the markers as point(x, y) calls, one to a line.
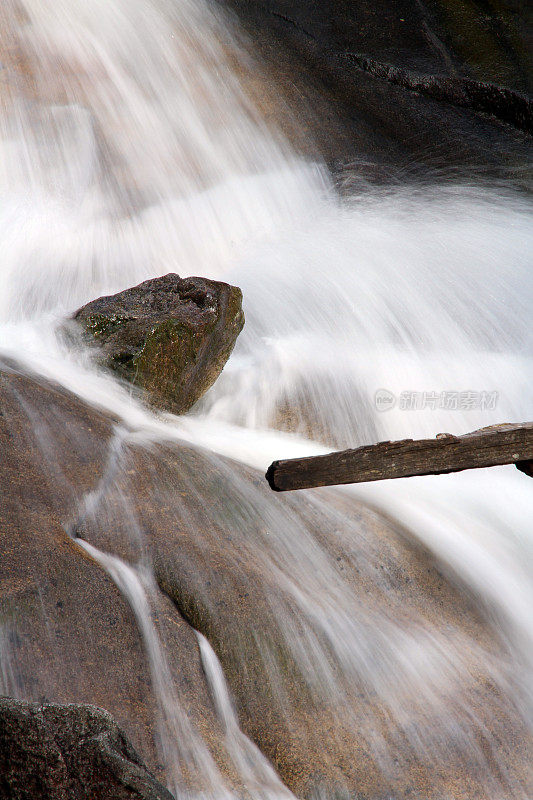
point(170, 336)
point(505, 104)
point(69, 752)
point(401, 91)
point(526, 467)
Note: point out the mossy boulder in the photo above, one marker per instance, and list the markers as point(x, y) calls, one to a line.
point(170, 336)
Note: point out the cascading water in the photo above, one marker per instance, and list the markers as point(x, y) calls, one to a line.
point(132, 147)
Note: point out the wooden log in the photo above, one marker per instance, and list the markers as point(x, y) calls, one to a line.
point(488, 447)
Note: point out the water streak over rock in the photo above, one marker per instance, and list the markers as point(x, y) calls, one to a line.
point(355, 664)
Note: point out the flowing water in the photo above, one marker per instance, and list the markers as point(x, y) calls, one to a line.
point(132, 144)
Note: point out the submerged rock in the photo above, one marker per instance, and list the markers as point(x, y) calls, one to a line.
point(170, 336)
point(69, 752)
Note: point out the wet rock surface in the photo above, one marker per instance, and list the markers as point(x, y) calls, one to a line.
point(67, 635)
point(404, 90)
point(170, 336)
point(263, 577)
point(69, 752)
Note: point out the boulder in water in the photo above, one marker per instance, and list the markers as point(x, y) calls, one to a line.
point(62, 752)
point(170, 336)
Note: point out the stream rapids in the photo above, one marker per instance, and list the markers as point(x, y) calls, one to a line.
point(133, 143)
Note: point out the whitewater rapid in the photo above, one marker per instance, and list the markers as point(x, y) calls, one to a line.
point(137, 149)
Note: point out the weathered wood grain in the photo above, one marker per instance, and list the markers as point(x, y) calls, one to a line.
point(488, 447)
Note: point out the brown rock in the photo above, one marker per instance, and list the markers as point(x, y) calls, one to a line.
point(67, 635)
point(423, 707)
point(170, 336)
point(365, 122)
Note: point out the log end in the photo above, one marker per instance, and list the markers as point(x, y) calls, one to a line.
point(271, 476)
point(525, 467)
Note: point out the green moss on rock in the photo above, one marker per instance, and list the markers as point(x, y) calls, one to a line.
point(169, 336)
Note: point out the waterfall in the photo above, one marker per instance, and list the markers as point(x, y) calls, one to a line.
point(184, 753)
point(259, 777)
point(132, 144)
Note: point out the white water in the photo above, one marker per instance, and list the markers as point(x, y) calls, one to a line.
point(137, 152)
point(259, 777)
point(190, 768)
point(182, 748)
